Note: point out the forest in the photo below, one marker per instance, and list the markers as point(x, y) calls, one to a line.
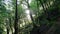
point(29, 16)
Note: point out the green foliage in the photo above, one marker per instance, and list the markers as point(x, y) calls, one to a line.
point(40, 18)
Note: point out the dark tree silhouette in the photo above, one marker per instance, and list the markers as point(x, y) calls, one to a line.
point(16, 20)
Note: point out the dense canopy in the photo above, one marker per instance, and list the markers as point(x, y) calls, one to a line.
point(29, 16)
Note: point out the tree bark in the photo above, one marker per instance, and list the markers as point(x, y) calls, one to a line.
point(7, 26)
point(16, 20)
point(7, 30)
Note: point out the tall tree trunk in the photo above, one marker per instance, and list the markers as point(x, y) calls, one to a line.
point(30, 12)
point(7, 26)
point(16, 20)
point(34, 30)
point(10, 24)
point(7, 30)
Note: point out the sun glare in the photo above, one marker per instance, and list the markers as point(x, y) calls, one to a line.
point(27, 11)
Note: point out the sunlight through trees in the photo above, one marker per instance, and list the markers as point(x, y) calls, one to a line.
point(29, 16)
